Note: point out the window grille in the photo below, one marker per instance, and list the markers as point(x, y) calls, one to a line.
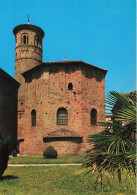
point(62, 116)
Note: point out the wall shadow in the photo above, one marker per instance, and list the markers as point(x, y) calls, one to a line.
point(72, 139)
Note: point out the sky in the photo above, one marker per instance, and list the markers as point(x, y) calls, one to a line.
point(99, 32)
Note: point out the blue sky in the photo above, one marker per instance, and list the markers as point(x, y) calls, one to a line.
point(99, 32)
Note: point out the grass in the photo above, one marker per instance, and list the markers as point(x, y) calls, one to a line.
point(57, 181)
point(41, 160)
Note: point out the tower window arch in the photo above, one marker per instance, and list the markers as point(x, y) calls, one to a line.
point(70, 86)
point(33, 117)
point(24, 39)
point(36, 41)
point(93, 116)
point(62, 116)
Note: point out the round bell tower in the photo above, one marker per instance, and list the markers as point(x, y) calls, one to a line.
point(28, 52)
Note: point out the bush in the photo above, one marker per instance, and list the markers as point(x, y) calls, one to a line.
point(4, 153)
point(14, 153)
point(50, 152)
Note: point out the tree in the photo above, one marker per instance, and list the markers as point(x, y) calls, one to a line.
point(4, 153)
point(114, 149)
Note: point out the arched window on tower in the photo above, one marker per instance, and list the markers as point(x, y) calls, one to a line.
point(62, 116)
point(24, 39)
point(70, 86)
point(93, 117)
point(36, 41)
point(33, 117)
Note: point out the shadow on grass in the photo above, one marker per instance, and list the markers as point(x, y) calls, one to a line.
point(8, 177)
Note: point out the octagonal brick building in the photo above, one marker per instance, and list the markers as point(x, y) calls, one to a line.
point(59, 103)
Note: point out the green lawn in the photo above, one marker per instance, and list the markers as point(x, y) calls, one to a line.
point(57, 181)
point(41, 160)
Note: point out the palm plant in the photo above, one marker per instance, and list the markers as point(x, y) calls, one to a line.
point(114, 149)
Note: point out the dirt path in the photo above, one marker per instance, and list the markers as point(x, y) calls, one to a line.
point(40, 165)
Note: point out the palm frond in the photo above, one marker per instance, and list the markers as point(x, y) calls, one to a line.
point(124, 106)
point(114, 149)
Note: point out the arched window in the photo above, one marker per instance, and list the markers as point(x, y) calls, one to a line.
point(70, 86)
point(33, 117)
point(93, 117)
point(36, 40)
point(24, 39)
point(62, 116)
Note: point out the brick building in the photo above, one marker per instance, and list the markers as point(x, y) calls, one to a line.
point(8, 107)
point(59, 103)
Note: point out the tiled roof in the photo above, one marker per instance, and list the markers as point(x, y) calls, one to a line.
point(64, 63)
point(29, 27)
point(61, 133)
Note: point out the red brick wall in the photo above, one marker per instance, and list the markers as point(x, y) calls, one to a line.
point(47, 92)
point(28, 55)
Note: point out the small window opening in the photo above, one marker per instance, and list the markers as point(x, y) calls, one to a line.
point(93, 117)
point(70, 86)
point(25, 39)
point(33, 117)
point(36, 41)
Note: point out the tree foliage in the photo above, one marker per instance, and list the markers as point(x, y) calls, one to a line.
point(114, 150)
point(14, 153)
